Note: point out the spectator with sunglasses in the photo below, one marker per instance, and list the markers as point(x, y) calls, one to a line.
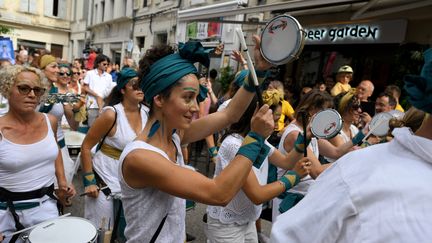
point(121, 120)
point(30, 159)
point(97, 84)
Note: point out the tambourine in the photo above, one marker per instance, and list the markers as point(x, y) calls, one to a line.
point(379, 125)
point(282, 40)
point(68, 98)
point(326, 124)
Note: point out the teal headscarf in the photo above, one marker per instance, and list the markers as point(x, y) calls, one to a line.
point(419, 88)
point(169, 69)
point(125, 75)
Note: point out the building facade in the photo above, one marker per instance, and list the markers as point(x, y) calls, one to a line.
point(38, 24)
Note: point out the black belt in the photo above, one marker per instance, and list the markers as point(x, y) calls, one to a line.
point(9, 197)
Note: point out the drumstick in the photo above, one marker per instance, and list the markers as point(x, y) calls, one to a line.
point(99, 189)
point(304, 117)
point(373, 129)
point(250, 65)
point(34, 226)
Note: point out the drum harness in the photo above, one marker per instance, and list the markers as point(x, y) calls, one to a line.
point(9, 197)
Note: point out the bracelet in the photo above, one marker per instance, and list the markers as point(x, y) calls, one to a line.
point(358, 138)
point(299, 144)
point(89, 179)
point(290, 179)
point(251, 146)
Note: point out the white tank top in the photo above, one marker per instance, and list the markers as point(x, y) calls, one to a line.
point(107, 167)
point(145, 208)
point(303, 186)
point(27, 167)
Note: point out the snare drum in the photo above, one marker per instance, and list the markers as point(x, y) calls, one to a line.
point(73, 141)
point(65, 230)
point(326, 124)
point(282, 40)
point(379, 124)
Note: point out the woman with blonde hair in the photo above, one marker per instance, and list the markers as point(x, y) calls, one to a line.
point(30, 158)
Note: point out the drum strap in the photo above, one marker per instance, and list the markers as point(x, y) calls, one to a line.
point(156, 234)
point(8, 197)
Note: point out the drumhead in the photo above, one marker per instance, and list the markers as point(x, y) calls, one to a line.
point(326, 124)
point(282, 40)
point(380, 124)
point(65, 230)
point(73, 138)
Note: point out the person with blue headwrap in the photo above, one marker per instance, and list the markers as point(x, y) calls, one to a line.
point(153, 180)
point(120, 122)
point(378, 194)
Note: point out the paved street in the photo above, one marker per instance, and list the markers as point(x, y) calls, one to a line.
point(194, 224)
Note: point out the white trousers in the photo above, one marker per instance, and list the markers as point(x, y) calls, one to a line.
point(96, 209)
point(218, 232)
point(47, 210)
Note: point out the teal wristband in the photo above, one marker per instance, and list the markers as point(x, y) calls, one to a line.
point(247, 86)
point(290, 179)
point(251, 146)
point(261, 156)
point(358, 138)
point(89, 179)
point(299, 144)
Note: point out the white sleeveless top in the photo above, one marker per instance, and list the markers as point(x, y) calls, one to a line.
point(27, 167)
point(58, 111)
point(107, 167)
point(303, 186)
point(240, 209)
point(346, 138)
point(145, 208)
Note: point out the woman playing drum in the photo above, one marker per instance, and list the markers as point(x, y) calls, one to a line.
point(30, 159)
point(120, 122)
point(152, 178)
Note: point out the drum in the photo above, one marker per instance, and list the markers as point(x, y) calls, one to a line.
point(65, 230)
point(282, 40)
point(73, 141)
point(326, 124)
point(397, 114)
point(379, 125)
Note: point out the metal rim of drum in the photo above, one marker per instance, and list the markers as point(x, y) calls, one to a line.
point(295, 53)
point(94, 239)
point(338, 125)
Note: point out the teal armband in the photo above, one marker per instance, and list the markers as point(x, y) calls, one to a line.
point(290, 179)
point(261, 156)
point(213, 151)
point(358, 138)
point(251, 146)
point(89, 179)
point(299, 144)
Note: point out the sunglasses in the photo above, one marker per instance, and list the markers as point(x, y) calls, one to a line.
point(356, 106)
point(25, 90)
point(105, 64)
point(64, 74)
point(135, 85)
point(76, 73)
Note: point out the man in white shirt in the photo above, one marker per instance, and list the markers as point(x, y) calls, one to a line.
point(378, 194)
point(98, 85)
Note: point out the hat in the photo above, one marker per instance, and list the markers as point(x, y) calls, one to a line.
point(45, 60)
point(345, 69)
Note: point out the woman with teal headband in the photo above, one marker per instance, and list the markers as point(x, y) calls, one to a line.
point(152, 177)
point(120, 123)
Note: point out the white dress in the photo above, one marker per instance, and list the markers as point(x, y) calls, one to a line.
point(382, 193)
point(146, 207)
point(107, 167)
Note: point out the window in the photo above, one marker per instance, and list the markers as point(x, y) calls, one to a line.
point(161, 38)
point(141, 42)
point(55, 8)
point(145, 4)
point(103, 11)
point(28, 6)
